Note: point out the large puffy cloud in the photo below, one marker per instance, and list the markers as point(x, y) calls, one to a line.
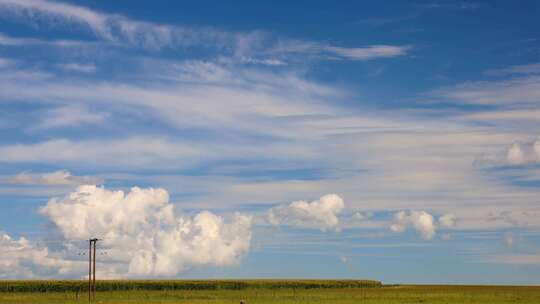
point(144, 235)
point(321, 214)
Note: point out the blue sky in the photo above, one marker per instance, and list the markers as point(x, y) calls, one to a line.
point(396, 141)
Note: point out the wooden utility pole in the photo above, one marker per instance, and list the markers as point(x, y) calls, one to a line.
point(92, 269)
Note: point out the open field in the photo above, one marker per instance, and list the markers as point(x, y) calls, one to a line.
point(273, 291)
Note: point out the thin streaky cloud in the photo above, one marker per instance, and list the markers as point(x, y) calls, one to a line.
point(61, 177)
point(119, 29)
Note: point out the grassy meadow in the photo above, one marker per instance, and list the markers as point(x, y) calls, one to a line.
point(264, 291)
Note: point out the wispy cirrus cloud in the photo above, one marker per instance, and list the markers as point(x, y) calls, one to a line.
point(369, 52)
point(78, 67)
point(515, 259)
point(5, 63)
point(513, 91)
point(519, 88)
point(120, 30)
point(145, 151)
point(6, 40)
point(65, 116)
point(61, 177)
point(532, 68)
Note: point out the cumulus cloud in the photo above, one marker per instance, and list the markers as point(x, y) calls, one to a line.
point(515, 154)
point(421, 221)
point(360, 216)
point(447, 220)
point(22, 259)
point(321, 214)
point(518, 153)
point(144, 233)
point(61, 177)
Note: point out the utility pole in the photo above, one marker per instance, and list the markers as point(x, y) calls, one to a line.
point(92, 269)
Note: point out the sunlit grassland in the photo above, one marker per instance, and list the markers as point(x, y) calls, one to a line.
point(270, 293)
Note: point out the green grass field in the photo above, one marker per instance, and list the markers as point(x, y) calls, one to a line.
point(281, 292)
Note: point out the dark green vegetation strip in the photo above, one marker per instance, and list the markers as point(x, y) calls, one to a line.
point(116, 285)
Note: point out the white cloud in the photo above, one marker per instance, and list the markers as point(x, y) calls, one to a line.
point(536, 147)
point(501, 116)
point(13, 41)
point(70, 116)
point(533, 68)
point(513, 91)
point(447, 220)
point(369, 52)
point(360, 216)
point(344, 259)
point(145, 151)
point(23, 260)
point(206, 95)
point(518, 153)
point(78, 67)
point(24, 41)
point(143, 232)
point(515, 154)
point(61, 177)
point(4, 63)
point(420, 221)
point(269, 62)
point(115, 28)
point(516, 259)
point(73, 13)
point(119, 29)
point(322, 213)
